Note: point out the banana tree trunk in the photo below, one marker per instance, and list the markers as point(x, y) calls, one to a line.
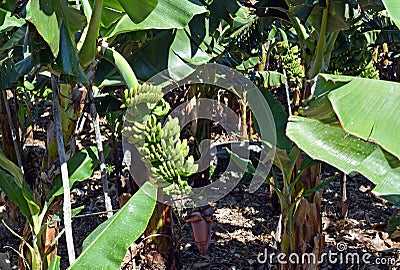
point(306, 234)
point(159, 248)
point(201, 129)
point(160, 251)
point(308, 226)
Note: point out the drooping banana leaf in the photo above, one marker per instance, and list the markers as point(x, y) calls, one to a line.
point(353, 123)
point(67, 61)
point(16, 188)
point(368, 109)
point(248, 63)
point(9, 166)
point(47, 16)
point(278, 112)
point(44, 17)
point(51, 25)
point(331, 144)
point(106, 246)
point(9, 185)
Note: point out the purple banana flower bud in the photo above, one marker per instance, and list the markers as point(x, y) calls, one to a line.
point(201, 222)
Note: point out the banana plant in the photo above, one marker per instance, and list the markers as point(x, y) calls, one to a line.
point(358, 137)
point(81, 166)
point(325, 19)
point(315, 26)
point(355, 139)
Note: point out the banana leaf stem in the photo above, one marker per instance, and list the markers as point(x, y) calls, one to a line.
point(116, 59)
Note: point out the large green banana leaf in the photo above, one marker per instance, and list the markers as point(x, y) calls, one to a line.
point(278, 112)
point(331, 144)
point(45, 22)
point(48, 16)
point(364, 140)
point(393, 8)
point(167, 14)
point(107, 245)
point(369, 109)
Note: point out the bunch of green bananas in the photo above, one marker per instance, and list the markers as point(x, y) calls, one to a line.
point(248, 35)
point(353, 58)
point(160, 146)
point(291, 60)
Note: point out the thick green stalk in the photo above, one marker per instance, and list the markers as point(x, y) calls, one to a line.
point(319, 59)
point(36, 258)
point(286, 233)
point(123, 67)
point(88, 51)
